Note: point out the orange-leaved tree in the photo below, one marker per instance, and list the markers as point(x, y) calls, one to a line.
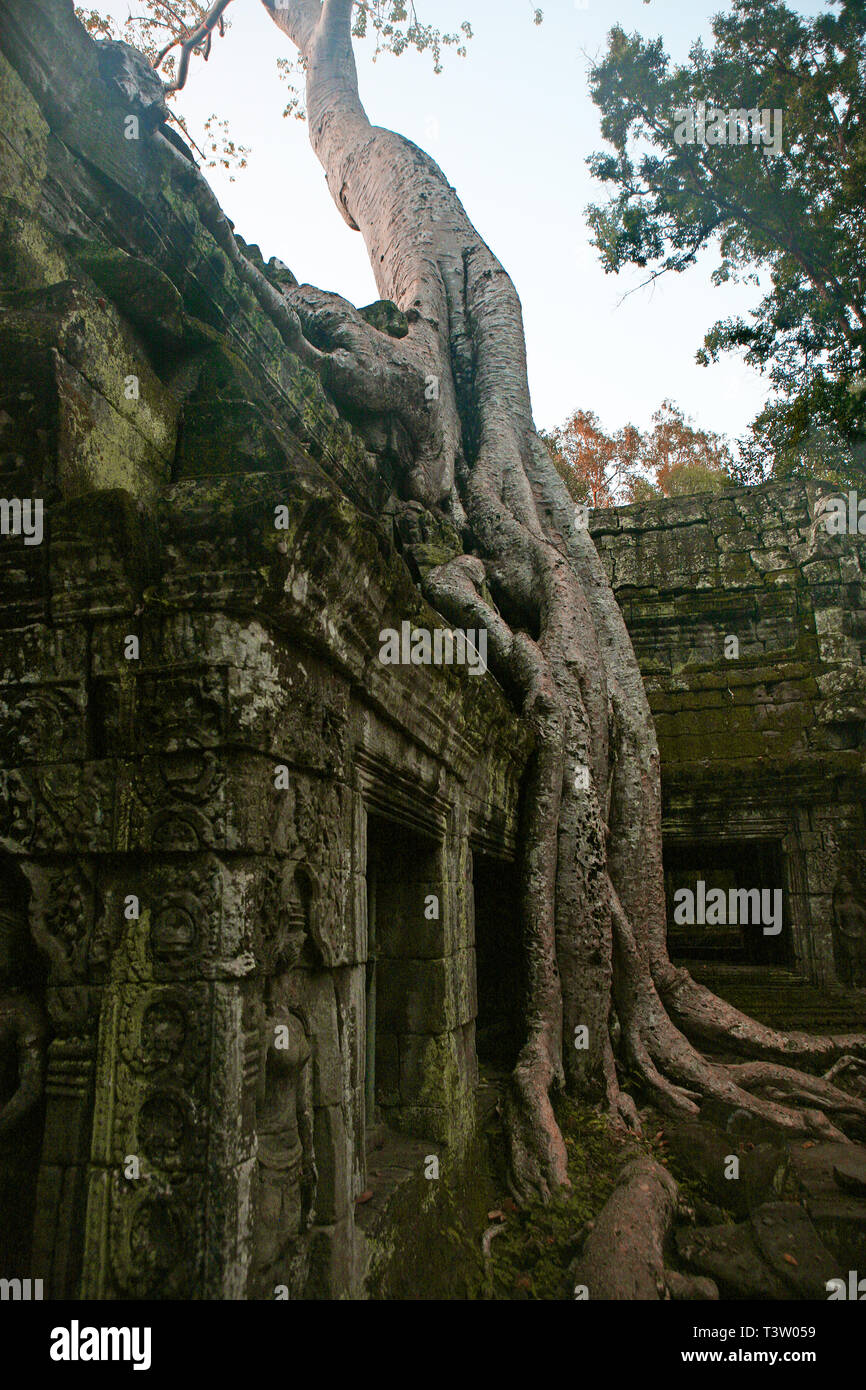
point(671, 459)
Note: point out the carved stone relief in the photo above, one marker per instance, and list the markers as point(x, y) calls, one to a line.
point(22, 1075)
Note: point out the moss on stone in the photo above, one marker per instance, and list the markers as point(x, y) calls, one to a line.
point(386, 317)
point(23, 139)
point(429, 1244)
point(142, 293)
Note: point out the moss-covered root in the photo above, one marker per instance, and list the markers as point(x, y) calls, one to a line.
point(623, 1257)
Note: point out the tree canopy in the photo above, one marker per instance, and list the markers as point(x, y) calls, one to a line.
point(671, 459)
point(790, 216)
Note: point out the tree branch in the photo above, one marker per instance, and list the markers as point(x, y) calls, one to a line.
point(298, 19)
point(192, 41)
point(336, 19)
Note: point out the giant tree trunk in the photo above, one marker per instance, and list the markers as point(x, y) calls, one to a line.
point(593, 909)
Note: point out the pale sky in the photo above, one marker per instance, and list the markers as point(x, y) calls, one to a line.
point(511, 125)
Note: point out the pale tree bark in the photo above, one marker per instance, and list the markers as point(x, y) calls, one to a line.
point(592, 888)
point(623, 1256)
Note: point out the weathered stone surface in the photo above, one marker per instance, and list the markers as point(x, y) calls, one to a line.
point(752, 650)
point(207, 774)
point(777, 1254)
point(195, 725)
point(850, 1173)
point(705, 1152)
point(838, 1209)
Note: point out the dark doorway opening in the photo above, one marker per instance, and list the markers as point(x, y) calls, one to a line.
point(499, 963)
point(23, 1059)
point(734, 867)
point(405, 947)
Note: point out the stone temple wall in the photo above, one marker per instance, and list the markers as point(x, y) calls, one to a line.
point(762, 738)
point(195, 727)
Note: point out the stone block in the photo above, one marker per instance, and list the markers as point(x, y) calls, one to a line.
point(335, 1261)
point(412, 996)
point(387, 1068)
point(330, 1067)
point(332, 1142)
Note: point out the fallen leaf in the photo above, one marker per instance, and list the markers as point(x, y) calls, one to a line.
point(364, 1197)
point(789, 1259)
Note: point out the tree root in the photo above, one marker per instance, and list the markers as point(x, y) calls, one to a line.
point(854, 1066)
point(538, 1161)
point(709, 1020)
point(659, 1051)
point(200, 37)
point(488, 1238)
point(785, 1083)
point(623, 1255)
point(592, 891)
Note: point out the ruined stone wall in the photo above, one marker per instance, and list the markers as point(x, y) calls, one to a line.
point(207, 775)
point(195, 725)
point(747, 617)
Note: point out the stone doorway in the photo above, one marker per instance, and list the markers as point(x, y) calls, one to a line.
point(735, 867)
point(23, 1061)
point(405, 976)
point(498, 962)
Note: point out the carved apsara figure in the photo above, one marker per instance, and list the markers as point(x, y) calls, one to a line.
point(22, 1071)
point(285, 1179)
point(849, 931)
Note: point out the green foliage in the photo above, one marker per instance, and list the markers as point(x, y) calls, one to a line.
point(796, 218)
point(532, 1258)
point(395, 26)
